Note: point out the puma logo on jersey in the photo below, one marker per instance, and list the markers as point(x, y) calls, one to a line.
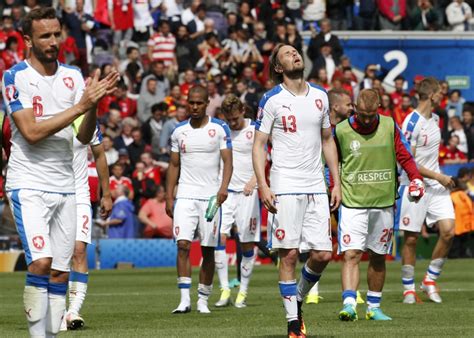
point(36, 85)
point(287, 107)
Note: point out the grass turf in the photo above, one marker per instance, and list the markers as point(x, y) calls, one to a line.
point(138, 303)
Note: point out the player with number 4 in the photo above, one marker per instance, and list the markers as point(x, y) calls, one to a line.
point(369, 145)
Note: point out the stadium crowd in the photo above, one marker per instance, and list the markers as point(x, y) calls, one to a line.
point(163, 48)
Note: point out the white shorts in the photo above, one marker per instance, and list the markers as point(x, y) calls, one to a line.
point(46, 225)
point(302, 222)
point(362, 229)
point(435, 205)
point(189, 217)
point(84, 223)
point(244, 211)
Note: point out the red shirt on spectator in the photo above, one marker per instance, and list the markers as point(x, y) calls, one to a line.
point(162, 47)
point(399, 114)
point(446, 153)
point(385, 112)
point(386, 8)
point(156, 212)
point(123, 19)
point(125, 181)
point(68, 46)
point(396, 98)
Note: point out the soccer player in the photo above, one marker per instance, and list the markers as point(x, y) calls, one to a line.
point(197, 147)
point(369, 147)
point(421, 129)
point(242, 205)
point(78, 278)
point(340, 108)
point(296, 114)
point(43, 98)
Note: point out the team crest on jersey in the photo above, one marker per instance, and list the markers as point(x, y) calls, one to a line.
point(176, 231)
point(11, 93)
point(280, 234)
point(69, 82)
point(211, 132)
point(38, 242)
point(319, 104)
point(249, 134)
point(260, 113)
point(406, 220)
point(346, 239)
point(355, 146)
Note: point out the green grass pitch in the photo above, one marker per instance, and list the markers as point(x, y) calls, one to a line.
point(138, 303)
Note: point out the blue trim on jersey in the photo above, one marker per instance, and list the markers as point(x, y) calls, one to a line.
point(339, 230)
point(270, 232)
point(226, 130)
point(412, 124)
point(49, 192)
point(263, 101)
point(252, 122)
point(57, 288)
point(99, 133)
point(317, 87)
point(17, 215)
point(9, 80)
point(39, 281)
point(219, 228)
point(404, 140)
point(70, 67)
point(288, 289)
point(396, 223)
point(80, 277)
point(181, 124)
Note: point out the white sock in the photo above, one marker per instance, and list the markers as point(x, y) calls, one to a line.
point(220, 257)
point(35, 300)
point(435, 268)
point(306, 282)
point(184, 285)
point(373, 299)
point(408, 277)
point(77, 290)
point(315, 289)
point(56, 307)
point(204, 291)
point(349, 297)
point(288, 291)
point(246, 268)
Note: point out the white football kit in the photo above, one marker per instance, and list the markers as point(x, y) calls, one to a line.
point(199, 151)
point(81, 178)
point(296, 177)
point(40, 182)
point(436, 204)
point(242, 210)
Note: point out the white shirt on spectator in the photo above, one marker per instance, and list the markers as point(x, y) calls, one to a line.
point(315, 11)
point(455, 15)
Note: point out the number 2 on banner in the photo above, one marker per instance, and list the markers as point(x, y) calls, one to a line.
point(289, 123)
point(37, 106)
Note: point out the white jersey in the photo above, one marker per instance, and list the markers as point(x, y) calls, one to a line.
point(199, 151)
point(425, 136)
point(295, 122)
point(81, 168)
point(46, 165)
point(242, 143)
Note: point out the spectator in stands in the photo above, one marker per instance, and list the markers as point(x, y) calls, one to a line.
point(336, 12)
point(424, 17)
point(111, 154)
point(321, 79)
point(11, 55)
point(121, 223)
point(247, 94)
point(9, 30)
point(370, 74)
point(196, 26)
point(133, 55)
point(445, 92)
point(325, 36)
point(153, 215)
point(137, 147)
point(163, 84)
point(313, 13)
point(348, 82)
point(173, 99)
point(464, 218)
point(143, 186)
point(147, 100)
point(124, 161)
point(365, 15)
point(468, 124)
point(293, 37)
point(455, 103)
point(397, 94)
point(215, 99)
point(391, 14)
point(459, 15)
point(189, 81)
point(386, 106)
point(458, 129)
point(451, 154)
point(112, 126)
point(187, 53)
point(153, 127)
point(401, 112)
point(189, 13)
point(162, 44)
point(167, 130)
point(126, 105)
point(118, 179)
point(125, 137)
point(378, 86)
point(325, 60)
point(121, 19)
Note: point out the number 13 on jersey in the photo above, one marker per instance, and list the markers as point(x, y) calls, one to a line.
point(289, 123)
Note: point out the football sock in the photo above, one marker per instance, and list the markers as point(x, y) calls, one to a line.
point(373, 299)
point(288, 291)
point(349, 297)
point(184, 285)
point(77, 290)
point(315, 289)
point(222, 267)
point(435, 268)
point(204, 291)
point(246, 268)
point(56, 307)
point(408, 277)
point(307, 280)
point(35, 300)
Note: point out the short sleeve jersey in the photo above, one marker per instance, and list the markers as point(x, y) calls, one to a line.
point(295, 123)
point(46, 165)
point(242, 143)
point(199, 151)
point(425, 136)
point(81, 168)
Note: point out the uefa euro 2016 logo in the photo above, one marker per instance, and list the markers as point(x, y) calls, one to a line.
point(355, 146)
